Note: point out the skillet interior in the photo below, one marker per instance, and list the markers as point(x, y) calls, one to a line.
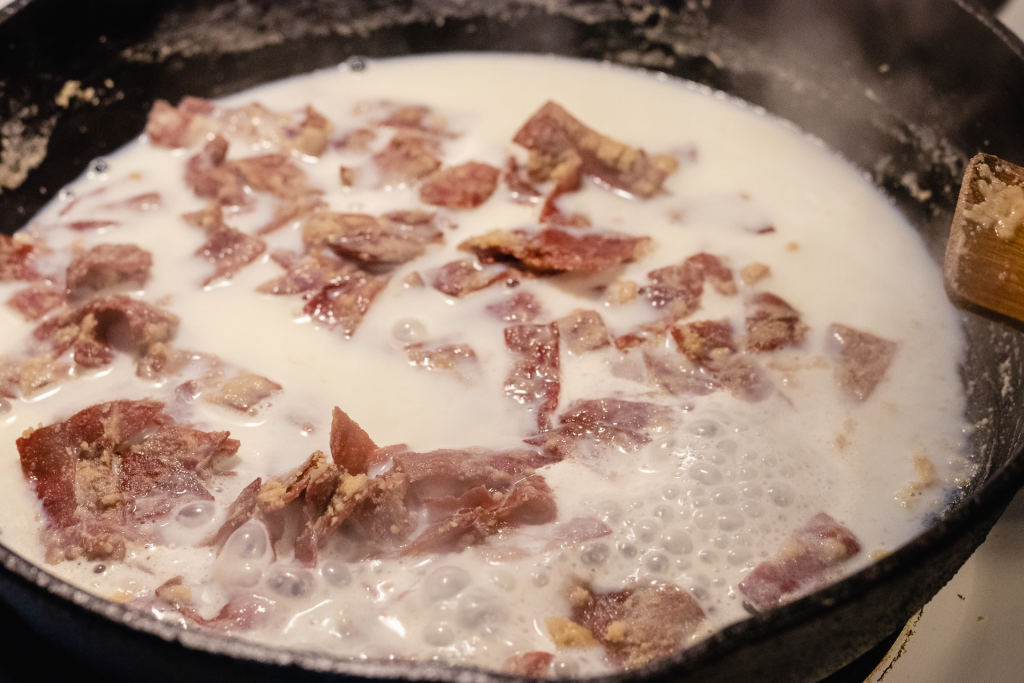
point(910, 126)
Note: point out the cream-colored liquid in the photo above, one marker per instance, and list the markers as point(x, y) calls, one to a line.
point(699, 507)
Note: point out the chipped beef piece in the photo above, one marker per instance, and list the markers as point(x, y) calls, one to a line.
point(408, 156)
point(170, 465)
point(551, 251)
point(521, 188)
point(583, 331)
point(89, 328)
point(418, 118)
point(16, 259)
point(862, 358)
point(147, 201)
point(710, 345)
point(274, 173)
point(313, 133)
point(345, 300)
point(307, 273)
point(801, 563)
point(680, 287)
point(241, 613)
point(107, 467)
point(292, 209)
point(555, 137)
point(520, 307)
point(460, 187)
point(772, 324)
point(623, 425)
point(36, 300)
point(81, 226)
point(533, 664)
point(169, 126)
point(637, 626)
point(535, 378)
point(677, 375)
point(210, 176)
point(351, 446)
point(229, 249)
point(389, 240)
point(704, 340)
point(107, 265)
point(459, 278)
point(468, 496)
point(244, 392)
point(459, 359)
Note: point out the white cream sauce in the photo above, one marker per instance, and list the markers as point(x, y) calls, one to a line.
point(700, 507)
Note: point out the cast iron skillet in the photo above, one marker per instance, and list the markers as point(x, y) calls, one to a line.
point(907, 90)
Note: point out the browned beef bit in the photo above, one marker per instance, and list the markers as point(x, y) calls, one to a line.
point(389, 240)
point(457, 359)
point(459, 278)
point(416, 118)
point(862, 359)
point(210, 176)
point(583, 331)
point(464, 496)
point(90, 329)
point(170, 126)
point(704, 340)
point(551, 251)
point(108, 265)
point(313, 133)
point(680, 287)
point(244, 392)
point(163, 360)
point(535, 379)
point(556, 136)
point(520, 307)
point(801, 564)
point(345, 300)
point(637, 626)
point(16, 258)
point(772, 324)
point(308, 273)
point(534, 664)
point(523, 191)
point(460, 187)
point(408, 156)
point(676, 375)
point(36, 300)
point(623, 425)
point(229, 250)
point(108, 467)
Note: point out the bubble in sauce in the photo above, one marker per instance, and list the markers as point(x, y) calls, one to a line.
point(409, 330)
point(781, 493)
point(244, 556)
point(446, 582)
point(336, 574)
point(480, 610)
point(195, 515)
point(595, 554)
point(439, 635)
point(291, 582)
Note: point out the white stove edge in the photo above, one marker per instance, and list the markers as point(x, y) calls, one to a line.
point(973, 630)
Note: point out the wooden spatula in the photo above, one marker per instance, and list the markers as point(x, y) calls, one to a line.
point(984, 268)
